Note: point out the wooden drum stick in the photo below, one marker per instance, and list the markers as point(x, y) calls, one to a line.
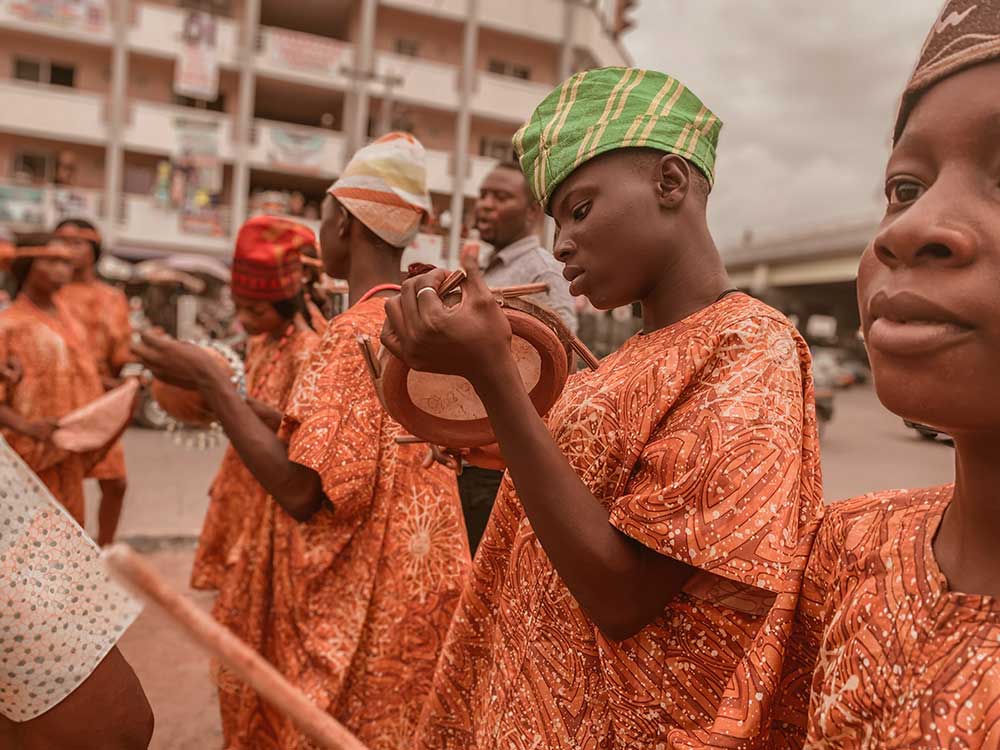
point(139, 576)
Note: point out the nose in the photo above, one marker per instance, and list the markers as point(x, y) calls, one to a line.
point(485, 201)
point(563, 248)
point(931, 232)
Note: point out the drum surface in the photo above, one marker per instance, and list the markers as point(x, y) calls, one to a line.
point(445, 410)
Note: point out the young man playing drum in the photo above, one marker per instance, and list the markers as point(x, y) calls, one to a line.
point(635, 585)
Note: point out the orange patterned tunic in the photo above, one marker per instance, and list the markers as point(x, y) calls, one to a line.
point(104, 314)
point(238, 506)
point(893, 658)
point(359, 598)
point(701, 441)
point(59, 375)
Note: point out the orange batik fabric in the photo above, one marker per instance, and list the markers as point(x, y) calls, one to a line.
point(59, 374)
point(353, 605)
point(700, 439)
point(884, 656)
point(238, 506)
point(103, 312)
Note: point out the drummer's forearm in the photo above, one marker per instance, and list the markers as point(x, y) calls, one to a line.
point(621, 584)
point(296, 488)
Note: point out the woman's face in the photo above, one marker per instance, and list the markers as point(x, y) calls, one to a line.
point(257, 316)
point(929, 284)
point(49, 275)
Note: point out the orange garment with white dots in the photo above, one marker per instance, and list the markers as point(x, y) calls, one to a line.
point(700, 440)
point(883, 654)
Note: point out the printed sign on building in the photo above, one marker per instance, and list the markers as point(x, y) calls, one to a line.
point(296, 149)
point(306, 52)
point(196, 70)
point(81, 15)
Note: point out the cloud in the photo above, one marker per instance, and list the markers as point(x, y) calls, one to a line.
point(807, 92)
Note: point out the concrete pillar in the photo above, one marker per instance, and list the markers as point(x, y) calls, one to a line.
point(117, 103)
point(364, 54)
point(460, 161)
point(244, 116)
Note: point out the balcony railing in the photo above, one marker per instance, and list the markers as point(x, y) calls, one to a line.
point(51, 112)
point(38, 208)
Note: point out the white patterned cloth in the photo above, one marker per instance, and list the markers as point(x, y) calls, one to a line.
point(60, 614)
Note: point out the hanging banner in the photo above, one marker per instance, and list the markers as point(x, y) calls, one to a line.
point(295, 149)
point(22, 205)
point(80, 15)
point(196, 70)
point(306, 52)
point(196, 179)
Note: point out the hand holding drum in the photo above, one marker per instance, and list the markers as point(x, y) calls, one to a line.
point(437, 403)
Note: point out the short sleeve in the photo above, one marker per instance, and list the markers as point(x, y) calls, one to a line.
point(333, 422)
point(60, 614)
point(720, 484)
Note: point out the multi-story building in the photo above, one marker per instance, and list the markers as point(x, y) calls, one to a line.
point(170, 123)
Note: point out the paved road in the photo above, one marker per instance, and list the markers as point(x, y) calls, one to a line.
point(865, 448)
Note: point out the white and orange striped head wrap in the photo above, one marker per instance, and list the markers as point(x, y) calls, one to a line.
point(385, 187)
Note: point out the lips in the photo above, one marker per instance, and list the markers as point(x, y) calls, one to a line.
point(574, 275)
point(906, 324)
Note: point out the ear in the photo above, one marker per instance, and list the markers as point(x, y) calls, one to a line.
point(344, 224)
point(673, 180)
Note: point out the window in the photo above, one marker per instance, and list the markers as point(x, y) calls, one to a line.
point(219, 105)
point(505, 68)
point(62, 75)
point(408, 47)
point(32, 166)
point(500, 149)
point(44, 71)
point(27, 70)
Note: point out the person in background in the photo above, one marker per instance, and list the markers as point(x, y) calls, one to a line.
point(636, 582)
point(244, 551)
point(103, 310)
point(64, 685)
point(56, 371)
point(373, 564)
point(508, 217)
point(897, 635)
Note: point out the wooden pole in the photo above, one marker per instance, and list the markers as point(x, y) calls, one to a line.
point(139, 576)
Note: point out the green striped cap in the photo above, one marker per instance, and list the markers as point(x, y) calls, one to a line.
point(601, 110)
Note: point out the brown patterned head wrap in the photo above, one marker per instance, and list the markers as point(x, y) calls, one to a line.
point(966, 33)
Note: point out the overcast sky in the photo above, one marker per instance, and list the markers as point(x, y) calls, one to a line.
point(807, 91)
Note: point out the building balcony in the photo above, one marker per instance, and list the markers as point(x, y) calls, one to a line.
point(46, 20)
point(156, 30)
point(295, 149)
point(38, 208)
point(153, 128)
point(43, 111)
point(149, 227)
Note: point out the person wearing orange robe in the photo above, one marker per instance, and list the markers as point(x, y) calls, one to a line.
point(267, 297)
point(636, 583)
point(369, 563)
point(57, 372)
point(897, 637)
point(103, 311)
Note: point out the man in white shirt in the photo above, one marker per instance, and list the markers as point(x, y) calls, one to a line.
point(508, 217)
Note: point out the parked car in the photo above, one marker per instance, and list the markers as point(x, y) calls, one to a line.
point(837, 367)
point(824, 384)
point(928, 433)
